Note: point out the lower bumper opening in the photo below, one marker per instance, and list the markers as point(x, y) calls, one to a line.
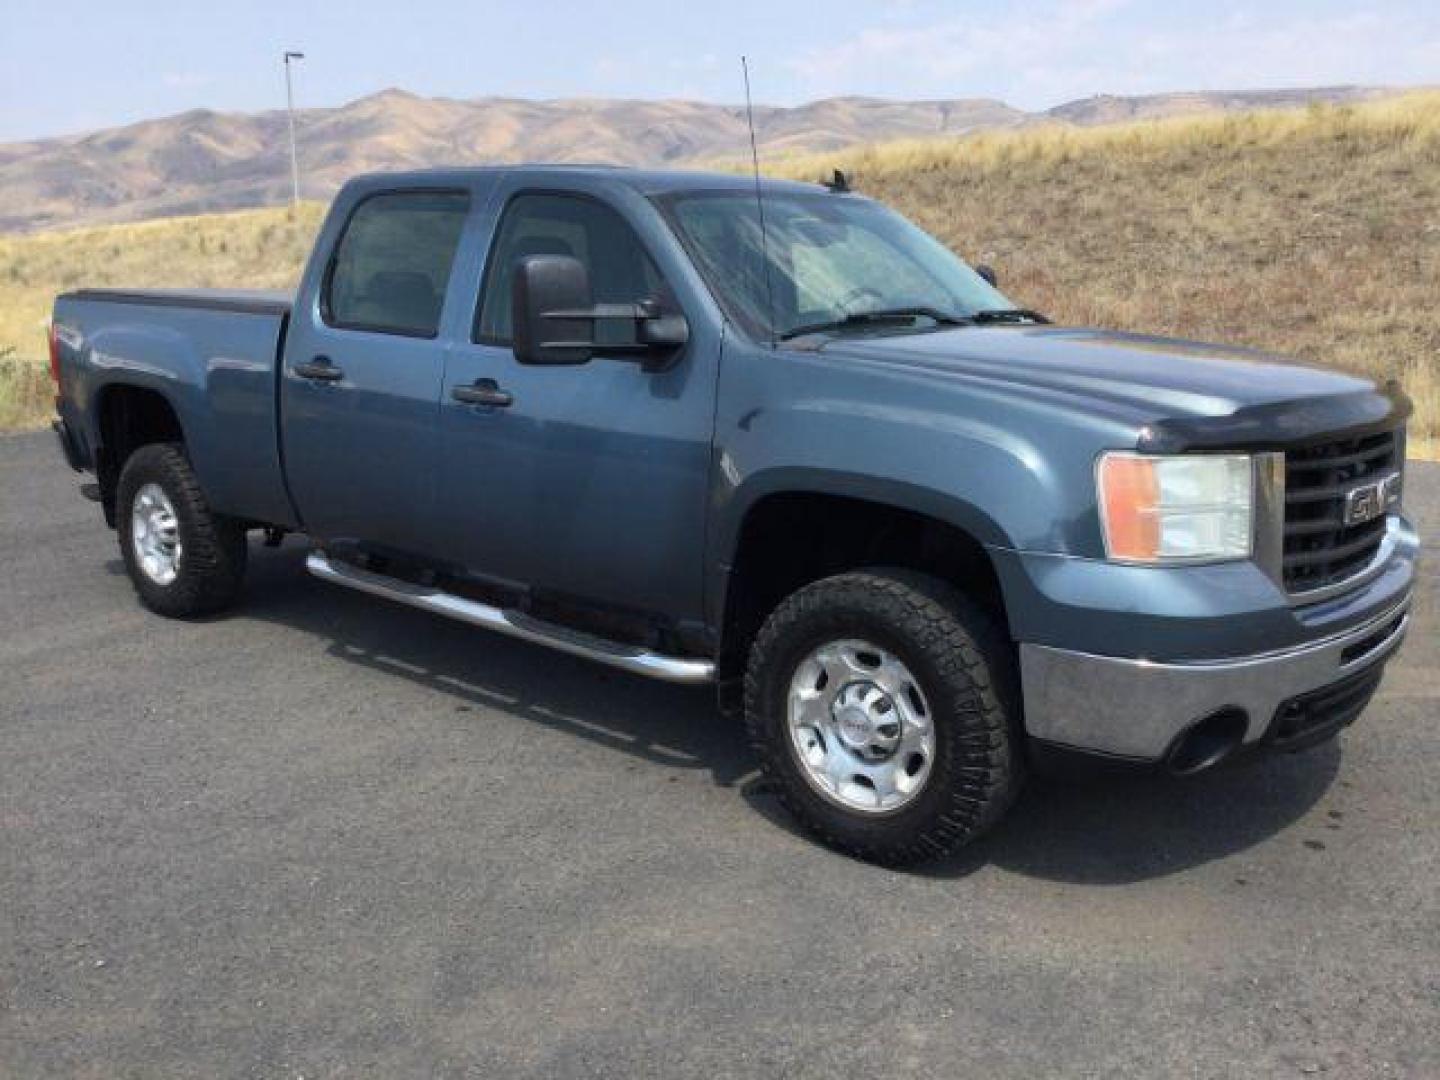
point(1208, 742)
point(1312, 718)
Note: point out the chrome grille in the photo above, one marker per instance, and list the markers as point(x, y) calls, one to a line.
point(1320, 548)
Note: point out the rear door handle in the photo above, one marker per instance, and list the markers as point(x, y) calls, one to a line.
point(482, 392)
point(319, 369)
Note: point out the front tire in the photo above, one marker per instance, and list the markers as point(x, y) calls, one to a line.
point(182, 557)
point(882, 705)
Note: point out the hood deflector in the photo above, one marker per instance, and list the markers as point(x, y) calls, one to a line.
point(1281, 425)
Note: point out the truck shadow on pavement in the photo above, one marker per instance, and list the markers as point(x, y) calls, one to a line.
point(1107, 832)
point(1135, 828)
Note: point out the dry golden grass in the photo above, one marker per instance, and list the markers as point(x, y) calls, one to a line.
point(1314, 233)
point(259, 249)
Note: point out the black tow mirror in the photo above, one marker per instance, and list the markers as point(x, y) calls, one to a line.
point(545, 285)
point(988, 273)
point(554, 318)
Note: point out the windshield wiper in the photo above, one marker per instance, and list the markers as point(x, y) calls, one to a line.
point(1008, 315)
point(879, 316)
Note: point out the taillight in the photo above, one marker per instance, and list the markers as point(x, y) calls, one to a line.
point(55, 355)
point(55, 361)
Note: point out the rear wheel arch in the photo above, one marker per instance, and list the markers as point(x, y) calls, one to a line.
point(128, 417)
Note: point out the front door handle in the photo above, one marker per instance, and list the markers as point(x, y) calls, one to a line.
point(319, 369)
point(482, 392)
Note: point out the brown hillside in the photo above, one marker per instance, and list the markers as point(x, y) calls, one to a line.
point(1314, 233)
point(202, 161)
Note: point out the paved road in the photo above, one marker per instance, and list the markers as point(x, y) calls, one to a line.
point(326, 836)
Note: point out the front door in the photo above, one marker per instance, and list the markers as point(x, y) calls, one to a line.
point(591, 481)
point(364, 370)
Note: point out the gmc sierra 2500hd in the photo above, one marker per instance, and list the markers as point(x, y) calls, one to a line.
point(923, 537)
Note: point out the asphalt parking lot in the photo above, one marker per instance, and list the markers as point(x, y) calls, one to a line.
point(328, 836)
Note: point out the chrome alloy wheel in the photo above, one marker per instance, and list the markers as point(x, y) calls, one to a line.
point(156, 532)
point(860, 727)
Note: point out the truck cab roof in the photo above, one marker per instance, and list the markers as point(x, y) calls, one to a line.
point(645, 181)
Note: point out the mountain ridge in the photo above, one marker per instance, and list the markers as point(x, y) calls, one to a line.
point(204, 160)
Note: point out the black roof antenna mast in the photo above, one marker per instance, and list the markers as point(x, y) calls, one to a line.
point(759, 203)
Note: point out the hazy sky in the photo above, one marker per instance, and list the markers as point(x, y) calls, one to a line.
point(72, 66)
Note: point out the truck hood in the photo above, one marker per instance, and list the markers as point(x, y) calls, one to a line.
point(1181, 394)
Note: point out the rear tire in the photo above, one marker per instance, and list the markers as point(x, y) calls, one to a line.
point(183, 558)
point(883, 705)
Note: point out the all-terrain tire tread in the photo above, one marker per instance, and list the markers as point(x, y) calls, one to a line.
point(213, 547)
point(971, 658)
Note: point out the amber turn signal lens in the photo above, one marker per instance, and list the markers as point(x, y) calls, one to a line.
point(1129, 499)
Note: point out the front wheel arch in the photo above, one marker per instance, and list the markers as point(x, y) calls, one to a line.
point(789, 539)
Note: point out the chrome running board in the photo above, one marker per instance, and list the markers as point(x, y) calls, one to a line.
point(631, 658)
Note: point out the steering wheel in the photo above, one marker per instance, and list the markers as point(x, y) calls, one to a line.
point(847, 301)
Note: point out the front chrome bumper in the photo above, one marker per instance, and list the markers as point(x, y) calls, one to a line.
point(1136, 708)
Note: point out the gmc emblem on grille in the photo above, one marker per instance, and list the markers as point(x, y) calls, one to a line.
point(1365, 502)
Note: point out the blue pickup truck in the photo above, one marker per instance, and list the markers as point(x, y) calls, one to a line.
point(774, 438)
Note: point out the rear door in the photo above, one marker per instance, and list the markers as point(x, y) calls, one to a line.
point(363, 371)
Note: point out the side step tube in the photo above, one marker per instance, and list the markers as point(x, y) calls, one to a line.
point(631, 658)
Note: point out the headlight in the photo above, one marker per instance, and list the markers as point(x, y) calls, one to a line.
point(1193, 508)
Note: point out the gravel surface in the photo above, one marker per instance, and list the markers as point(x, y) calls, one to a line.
point(329, 836)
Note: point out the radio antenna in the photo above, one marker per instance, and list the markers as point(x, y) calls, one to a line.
point(759, 201)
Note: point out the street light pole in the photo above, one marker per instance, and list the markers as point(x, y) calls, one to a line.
point(290, 109)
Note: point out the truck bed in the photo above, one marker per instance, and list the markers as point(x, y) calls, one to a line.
point(211, 354)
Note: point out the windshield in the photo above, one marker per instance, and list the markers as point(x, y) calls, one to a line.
point(832, 259)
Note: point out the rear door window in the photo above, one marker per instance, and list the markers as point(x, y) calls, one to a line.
point(393, 262)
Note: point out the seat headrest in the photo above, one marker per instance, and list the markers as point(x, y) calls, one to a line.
point(542, 245)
